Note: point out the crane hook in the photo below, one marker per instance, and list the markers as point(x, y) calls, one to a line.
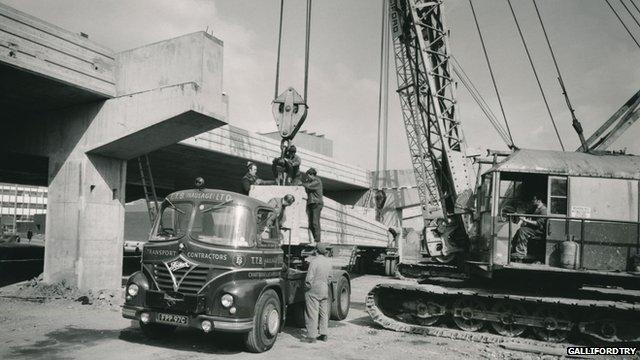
point(289, 111)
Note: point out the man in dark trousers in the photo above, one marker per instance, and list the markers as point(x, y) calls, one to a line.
point(292, 166)
point(313, 186)
point(316, 314)
point(251, 178)
point(530, 228)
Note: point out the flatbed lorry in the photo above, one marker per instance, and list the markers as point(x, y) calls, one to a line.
point(217, 261)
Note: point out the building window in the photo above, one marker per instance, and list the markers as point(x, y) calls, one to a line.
point(558, 195)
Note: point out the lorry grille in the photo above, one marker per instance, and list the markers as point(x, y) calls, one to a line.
point(191, 284)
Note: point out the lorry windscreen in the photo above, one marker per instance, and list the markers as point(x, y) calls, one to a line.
point(173, 221)
point(224, 224)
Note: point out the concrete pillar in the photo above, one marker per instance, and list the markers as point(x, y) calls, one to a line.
point(85, 220)
point(88, 146)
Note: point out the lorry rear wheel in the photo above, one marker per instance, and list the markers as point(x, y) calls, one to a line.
point(266, 323)
point(156, 331)
point(342, 300)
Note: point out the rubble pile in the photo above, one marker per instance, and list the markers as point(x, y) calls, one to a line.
point(36, 290)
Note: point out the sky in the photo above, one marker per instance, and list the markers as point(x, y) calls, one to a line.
point(597, 58)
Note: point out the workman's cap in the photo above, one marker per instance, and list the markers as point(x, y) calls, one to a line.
point(312, 171)
point(292, 148)
point(289, 198)
point(322, 248)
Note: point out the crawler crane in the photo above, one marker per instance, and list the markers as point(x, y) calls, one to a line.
point(582, 276)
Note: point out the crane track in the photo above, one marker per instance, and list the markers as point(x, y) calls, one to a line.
point(416, 308)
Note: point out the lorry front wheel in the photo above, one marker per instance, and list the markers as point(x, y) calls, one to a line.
point(266, 323)
point(156, 331)
point(342, 300)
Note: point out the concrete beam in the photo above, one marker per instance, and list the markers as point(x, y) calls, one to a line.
point(150, 120)
point(33, 45)
point(167, 92)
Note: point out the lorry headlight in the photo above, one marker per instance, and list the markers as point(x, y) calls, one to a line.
point(226, 300)
point(132, 290)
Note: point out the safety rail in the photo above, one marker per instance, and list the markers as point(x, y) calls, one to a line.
point(568, 220)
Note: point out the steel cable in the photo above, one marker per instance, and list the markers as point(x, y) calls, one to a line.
point(477, 97)
point(306, 51)
point(382, 39)
point(621, 22)
point(279, 45)
point(630, 13)
point(493, 79)
point(535, 73)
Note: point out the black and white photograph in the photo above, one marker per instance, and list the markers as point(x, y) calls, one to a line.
point(319, 179)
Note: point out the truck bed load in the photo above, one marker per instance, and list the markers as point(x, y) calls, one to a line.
point(340, 224)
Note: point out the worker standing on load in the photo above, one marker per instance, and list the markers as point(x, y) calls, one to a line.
point(292, 166)
point(316, 315)
point(251, 178)
point(313, 186)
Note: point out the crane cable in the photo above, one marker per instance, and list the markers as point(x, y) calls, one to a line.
point(383, 95)
point(493, 79)
point(275, 95)
point(535, 73)
point(635, 6)
point(306, 49)
point(477, 97)
point(622, 22)
point(629, 11)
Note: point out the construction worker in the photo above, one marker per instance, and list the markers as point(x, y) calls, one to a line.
point(280, 204)
point(251, 178)
point(292, 166)
point(313, 186)
point(316, 315)
point(530, 228)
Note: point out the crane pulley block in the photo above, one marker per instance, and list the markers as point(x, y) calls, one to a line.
point(289, 110)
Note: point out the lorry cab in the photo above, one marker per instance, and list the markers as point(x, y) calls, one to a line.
point(214, 261)
point(591, 226)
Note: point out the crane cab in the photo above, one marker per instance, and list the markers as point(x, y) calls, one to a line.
point(589, 224)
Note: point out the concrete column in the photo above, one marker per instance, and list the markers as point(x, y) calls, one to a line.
point(85, 220)
point(85, 217)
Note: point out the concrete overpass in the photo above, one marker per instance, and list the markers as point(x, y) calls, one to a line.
point(220, 156)
point(76, 115)
point(84, 110)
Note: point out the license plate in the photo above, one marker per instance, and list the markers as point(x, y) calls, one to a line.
point(172, 319)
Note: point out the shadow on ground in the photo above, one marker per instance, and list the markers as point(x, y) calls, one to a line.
point(188, 340)
point(60, 343)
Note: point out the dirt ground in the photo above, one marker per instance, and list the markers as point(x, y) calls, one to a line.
point(66, 329)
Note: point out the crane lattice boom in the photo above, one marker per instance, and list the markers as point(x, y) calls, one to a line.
point(427, 97)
